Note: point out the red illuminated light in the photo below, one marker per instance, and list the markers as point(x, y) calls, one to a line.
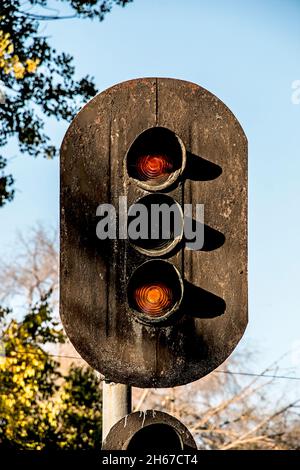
point(153, 166)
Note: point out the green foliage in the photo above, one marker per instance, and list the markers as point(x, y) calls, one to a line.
point(37, 80)
point(6, 182)
point(81, 413)
point(40, 408)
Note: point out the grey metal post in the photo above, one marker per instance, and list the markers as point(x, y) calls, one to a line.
point(116, 400)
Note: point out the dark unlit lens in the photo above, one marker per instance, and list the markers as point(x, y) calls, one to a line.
point(163, 224)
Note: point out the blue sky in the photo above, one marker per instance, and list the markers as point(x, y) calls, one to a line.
point(247, 53)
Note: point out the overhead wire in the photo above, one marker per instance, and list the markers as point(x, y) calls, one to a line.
point(218, 371)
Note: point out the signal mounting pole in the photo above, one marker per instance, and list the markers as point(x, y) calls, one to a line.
point(116, 403)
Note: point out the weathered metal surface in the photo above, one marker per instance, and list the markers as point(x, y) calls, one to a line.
point(116, 403)
point(160, 430)
point(95, 273)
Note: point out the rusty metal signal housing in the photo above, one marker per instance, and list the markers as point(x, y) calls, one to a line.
point(149, 430)
point(209, 167)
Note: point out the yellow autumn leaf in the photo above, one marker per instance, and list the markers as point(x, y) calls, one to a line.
point(31, 65)
point(10, 63)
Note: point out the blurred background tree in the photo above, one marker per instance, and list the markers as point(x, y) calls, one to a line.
point(32, 269)
point(41, 408)
point(228, 411)
point(36, 81)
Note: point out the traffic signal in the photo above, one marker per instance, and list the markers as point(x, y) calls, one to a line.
point(153, 289)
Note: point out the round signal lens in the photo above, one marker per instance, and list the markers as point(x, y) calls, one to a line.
point(153, 299)
point(153, 166)
point(164, 228)
point(156, 159)
point(155, 291)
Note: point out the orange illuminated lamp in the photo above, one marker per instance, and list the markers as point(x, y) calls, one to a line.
point(153, 299)
point(153, 166)
point(156, 158)
point(155, 291)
